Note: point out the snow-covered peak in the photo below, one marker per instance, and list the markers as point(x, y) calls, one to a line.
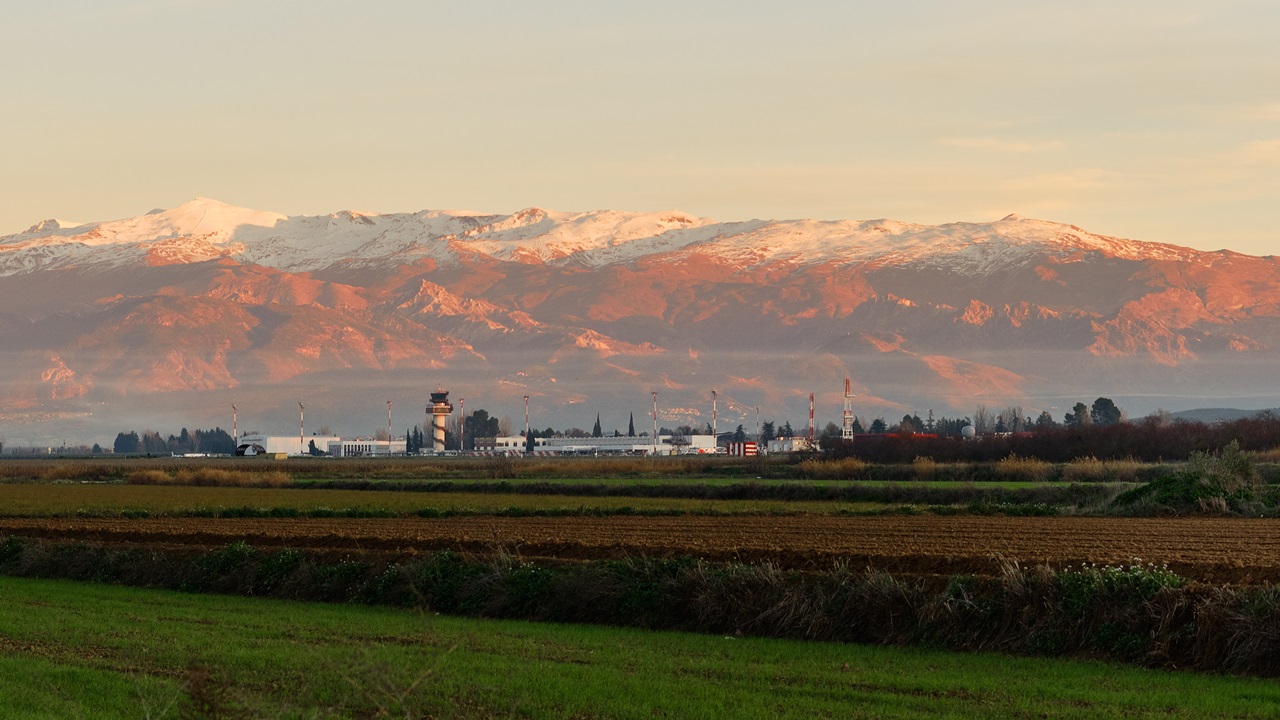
point(216, 221)
point(49, 226)
point(591, 238)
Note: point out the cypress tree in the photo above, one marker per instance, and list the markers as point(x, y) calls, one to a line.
point(631, 426)
point(597, 431)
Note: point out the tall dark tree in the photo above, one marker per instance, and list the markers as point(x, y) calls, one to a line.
point(127, 443)
point(631, 426)
point(153, 443)
point(480, 425)
point(739, 435)
point(1104, 412)
point(1044, 422)
point(529, 443)
point(1078, 417)
point(878, 426)
point(596, 430)
point(786, 430)
point(767, 432)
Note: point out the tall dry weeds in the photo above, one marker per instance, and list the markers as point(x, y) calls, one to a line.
point(1028, 469)
point(849, 468)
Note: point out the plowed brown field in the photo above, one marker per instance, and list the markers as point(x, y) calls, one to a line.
point(1211, 549)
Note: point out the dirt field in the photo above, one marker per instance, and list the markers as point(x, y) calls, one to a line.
point(1210, 549)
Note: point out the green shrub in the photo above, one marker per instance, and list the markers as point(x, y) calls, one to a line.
point(1210, 482)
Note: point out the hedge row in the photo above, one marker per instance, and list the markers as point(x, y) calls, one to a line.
point(1139, 613)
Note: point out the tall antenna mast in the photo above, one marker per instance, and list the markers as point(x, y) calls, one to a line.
point(846, 424)
point(714, 437)
point(655, 422)
point(235, 427)
point(811, 418)
point(389, 428)
point(526, 417)
point(302, 426)
point(462, 424)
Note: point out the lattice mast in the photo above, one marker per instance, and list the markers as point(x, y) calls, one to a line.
point(846, 424)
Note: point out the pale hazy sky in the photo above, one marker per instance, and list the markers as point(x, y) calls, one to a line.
point(1149, 120)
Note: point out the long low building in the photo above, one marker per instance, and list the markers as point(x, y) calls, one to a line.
point(258, 444)
point(624, 445)
point(366, 447)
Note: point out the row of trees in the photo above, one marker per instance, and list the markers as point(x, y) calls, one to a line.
point(215, 441)
point(1150, 439)
point(1102, 413)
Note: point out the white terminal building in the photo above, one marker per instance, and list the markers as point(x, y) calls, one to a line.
point(258, 444)
point(335, 446)
point(366, 447)
point(625, 445)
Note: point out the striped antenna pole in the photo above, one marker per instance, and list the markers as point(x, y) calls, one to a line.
point(810, 418)
point(714, 437)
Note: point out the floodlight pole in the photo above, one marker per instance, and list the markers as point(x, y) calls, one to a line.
point(655, 423)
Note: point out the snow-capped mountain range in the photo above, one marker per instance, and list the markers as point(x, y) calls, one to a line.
point(205, 229)
point(176, 309)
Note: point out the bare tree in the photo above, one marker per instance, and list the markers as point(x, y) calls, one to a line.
point(982, 420)
point(1013, 419)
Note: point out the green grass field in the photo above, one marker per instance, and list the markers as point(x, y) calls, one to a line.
point(77, 650)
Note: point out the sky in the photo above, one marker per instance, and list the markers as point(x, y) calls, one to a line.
point(1154, 121)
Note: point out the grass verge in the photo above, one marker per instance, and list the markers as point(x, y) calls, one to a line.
point(74, 650)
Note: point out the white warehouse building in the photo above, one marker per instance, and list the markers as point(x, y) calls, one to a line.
point(366, 447)
point(624, 445)
point(258, 444)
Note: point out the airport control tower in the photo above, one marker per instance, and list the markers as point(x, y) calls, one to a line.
point(440, 410)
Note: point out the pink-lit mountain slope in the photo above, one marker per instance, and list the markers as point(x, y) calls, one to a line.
point(170, 316)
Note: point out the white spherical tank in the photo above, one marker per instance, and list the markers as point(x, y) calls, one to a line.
point(967, 432)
